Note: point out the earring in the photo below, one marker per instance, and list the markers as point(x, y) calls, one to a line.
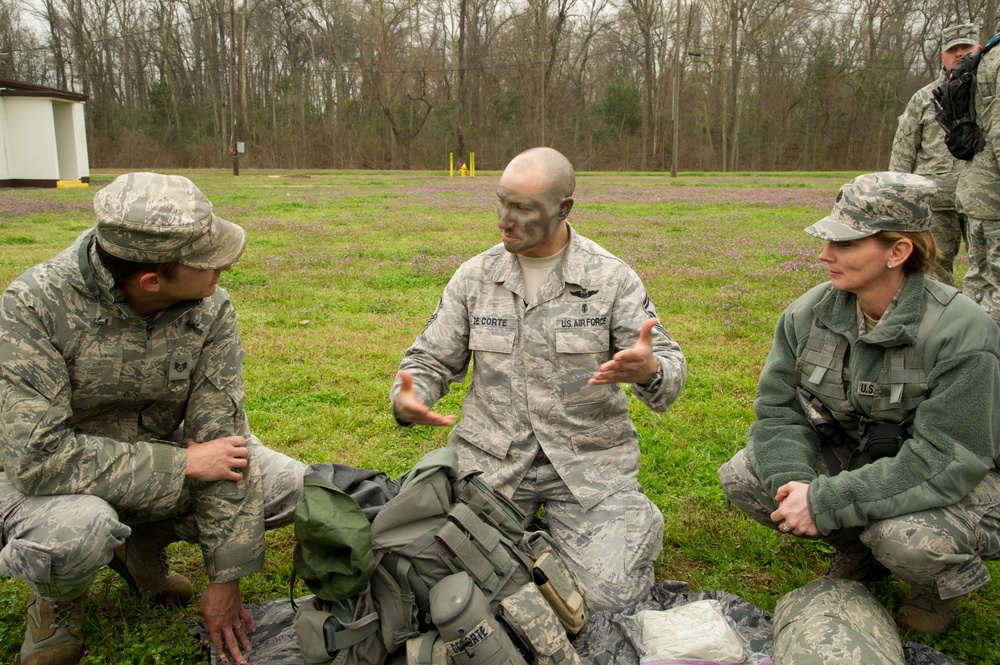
point(888, 265)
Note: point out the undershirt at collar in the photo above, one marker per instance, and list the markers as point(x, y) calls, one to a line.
point(536, 270)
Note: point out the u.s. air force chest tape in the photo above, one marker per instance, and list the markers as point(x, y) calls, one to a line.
point(471, 633)
point(834, 621)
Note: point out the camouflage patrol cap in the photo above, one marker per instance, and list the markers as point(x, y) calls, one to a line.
point(874, 202)
point(963, 34)
point(154, 218)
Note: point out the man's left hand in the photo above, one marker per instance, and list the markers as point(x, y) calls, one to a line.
point(229, 623)
point(793, 514)
point(635, 365)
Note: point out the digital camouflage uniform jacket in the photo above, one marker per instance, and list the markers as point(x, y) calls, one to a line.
point(918, 147)
point(531, 365)
point(954, 404)
point(89, 391)
point(979, 185)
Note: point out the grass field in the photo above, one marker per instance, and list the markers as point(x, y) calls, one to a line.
point(342, 271)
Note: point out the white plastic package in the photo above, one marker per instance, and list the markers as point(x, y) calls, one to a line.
point(695, 631)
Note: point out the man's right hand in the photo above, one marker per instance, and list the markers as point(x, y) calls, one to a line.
point(408, 407)
point(218, 459)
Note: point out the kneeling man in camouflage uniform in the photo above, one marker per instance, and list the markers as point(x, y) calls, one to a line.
point(552, 323)
point(122, 426)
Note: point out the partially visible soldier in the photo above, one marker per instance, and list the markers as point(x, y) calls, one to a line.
point(919, 148)
point(832, 621)
point(979, 194)
point(122, 426)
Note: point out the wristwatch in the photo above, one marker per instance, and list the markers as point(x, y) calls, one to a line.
point(654, 382)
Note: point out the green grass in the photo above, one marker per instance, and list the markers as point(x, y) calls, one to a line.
point(342, 272)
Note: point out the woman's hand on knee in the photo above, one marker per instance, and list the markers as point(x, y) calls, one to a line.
point(792, 515)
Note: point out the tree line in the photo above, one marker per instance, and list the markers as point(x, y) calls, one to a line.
point(757, 84)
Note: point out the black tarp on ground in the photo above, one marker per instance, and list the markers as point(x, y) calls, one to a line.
point(609, 637)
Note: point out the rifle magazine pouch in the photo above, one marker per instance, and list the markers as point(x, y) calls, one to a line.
point(555, 580)
point(558, 587)
point(471, 634)
point(528, 615)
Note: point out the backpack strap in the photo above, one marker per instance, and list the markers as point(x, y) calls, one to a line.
point(990, 44)
point(425, 648)
point(339, 635)
point(396, 603)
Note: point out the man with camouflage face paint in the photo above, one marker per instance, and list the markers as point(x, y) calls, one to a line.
point(122, 426)
point(878, 410)
point(553, 324)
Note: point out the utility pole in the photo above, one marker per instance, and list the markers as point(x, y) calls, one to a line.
point(544, 64)
point(676, 96)
point(232, 89)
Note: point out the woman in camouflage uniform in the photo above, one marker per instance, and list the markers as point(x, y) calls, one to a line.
point(878, 410)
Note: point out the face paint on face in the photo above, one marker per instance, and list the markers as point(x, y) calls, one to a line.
point(528, 215)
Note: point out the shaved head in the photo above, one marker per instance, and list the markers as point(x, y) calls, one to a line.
point(552, 165)
point(535, 198)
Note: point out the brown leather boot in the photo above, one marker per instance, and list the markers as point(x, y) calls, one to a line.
point(924, 612)
point(142, 562)
point(53, 632)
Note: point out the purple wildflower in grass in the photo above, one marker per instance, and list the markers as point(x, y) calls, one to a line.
point(655, 194)
point(16, 203)
point(435, 265)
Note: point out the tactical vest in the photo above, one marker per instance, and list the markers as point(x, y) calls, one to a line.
point(901, 385)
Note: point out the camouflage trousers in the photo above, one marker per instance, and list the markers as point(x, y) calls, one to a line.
point(982, 282)
point(611, 548)
point(56, 544)
point(829, 622)
point(949, 230)
point(940, 549)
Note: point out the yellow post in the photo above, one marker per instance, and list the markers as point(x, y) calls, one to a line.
point(472, 164)
point(451, 165)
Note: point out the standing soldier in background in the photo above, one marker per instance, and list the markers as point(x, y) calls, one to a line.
point(919, 148)
point(979, 195)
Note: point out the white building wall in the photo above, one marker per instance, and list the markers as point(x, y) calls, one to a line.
point(4, 158)
point(31, 139)
point(80, 134)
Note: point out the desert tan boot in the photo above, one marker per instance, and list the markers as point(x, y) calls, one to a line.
point(53, 632)
point(923, 612)
point(142, 562)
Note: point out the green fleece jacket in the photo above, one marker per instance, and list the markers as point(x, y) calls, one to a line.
point(955, 432)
